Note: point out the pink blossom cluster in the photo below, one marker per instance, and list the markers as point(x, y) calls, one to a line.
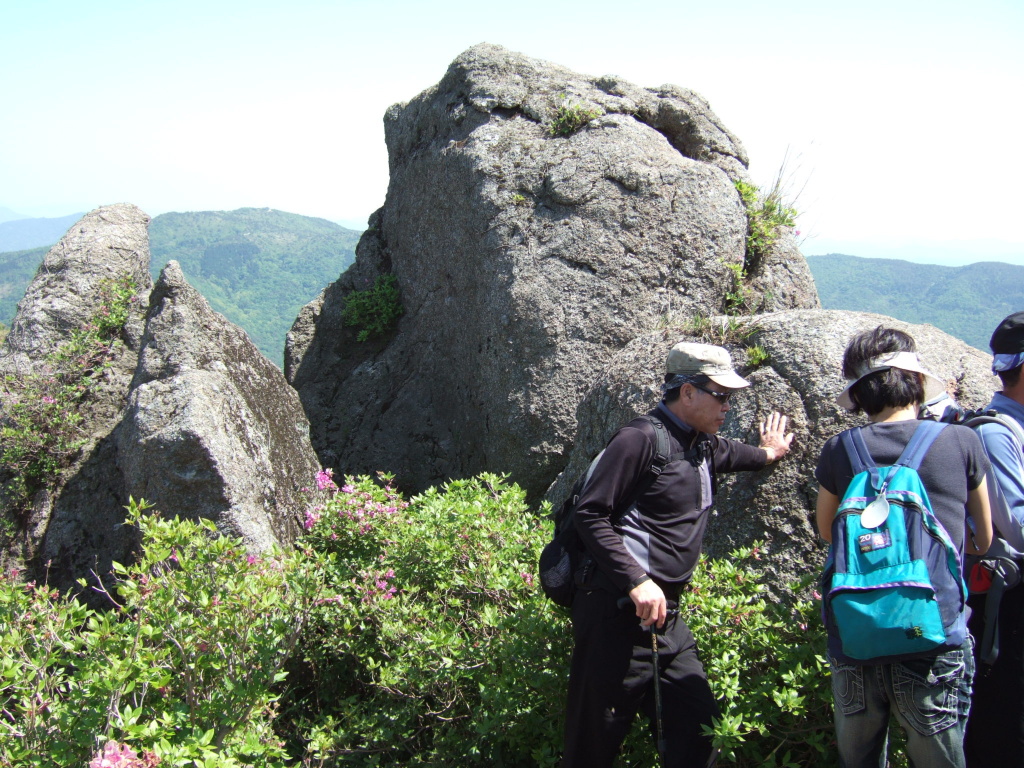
point(380, 588)
point(114, 755)
point(325, 480)
point(312, 517)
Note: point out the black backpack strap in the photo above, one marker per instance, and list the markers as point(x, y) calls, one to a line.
point(661, 459)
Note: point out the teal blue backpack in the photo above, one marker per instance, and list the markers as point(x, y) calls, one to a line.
point(893, 586)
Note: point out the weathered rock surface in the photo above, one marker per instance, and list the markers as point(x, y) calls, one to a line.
point(76, 527)
point(525, 261)
point(801, 378)
point(212, 428)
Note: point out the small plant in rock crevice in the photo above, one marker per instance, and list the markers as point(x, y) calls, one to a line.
point(40, 427)
point(739, 296)
point(720, 331)
point(766, 213)
point(374, 312)
point(756, 356)
point(570, 116)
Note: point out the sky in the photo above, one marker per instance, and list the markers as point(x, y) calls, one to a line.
point(899, 121)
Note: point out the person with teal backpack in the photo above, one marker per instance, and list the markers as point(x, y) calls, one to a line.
point(893, 502)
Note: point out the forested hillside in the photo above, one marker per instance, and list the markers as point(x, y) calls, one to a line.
point(967, 302)
point(256, 266)
point(17, 269)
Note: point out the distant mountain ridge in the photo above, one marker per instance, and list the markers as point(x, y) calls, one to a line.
point(967, 302)
point(21, 234)
point(256, 266)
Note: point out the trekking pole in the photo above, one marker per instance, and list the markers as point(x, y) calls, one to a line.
point(657, 694)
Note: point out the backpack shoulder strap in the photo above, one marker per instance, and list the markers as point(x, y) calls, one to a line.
point(658, 463)
point(922, 439)
point(856, 450)
point(1003, 419)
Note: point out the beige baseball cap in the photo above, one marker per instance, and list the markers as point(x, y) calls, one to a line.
point(690, 359)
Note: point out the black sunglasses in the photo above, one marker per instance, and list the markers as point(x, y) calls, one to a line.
point(722, 397)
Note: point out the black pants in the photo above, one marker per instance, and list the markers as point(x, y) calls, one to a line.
point(611, 679)
point(995, 729)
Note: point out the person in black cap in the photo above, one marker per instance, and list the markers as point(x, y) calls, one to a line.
point(995, 730)
point(643, 556)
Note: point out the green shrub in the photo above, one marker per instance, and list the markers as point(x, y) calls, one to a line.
point(570, 116)
point(183, 666)
point(435, 647)
point(375, 311)
point(417, 637)
point(766, 664)
point(40, 432)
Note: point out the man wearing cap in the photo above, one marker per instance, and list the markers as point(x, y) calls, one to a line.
point(995, 730)
point(641, 561)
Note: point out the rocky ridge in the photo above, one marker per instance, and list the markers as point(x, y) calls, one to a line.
point(188, 415)
point(525, 261)
point(543, 278)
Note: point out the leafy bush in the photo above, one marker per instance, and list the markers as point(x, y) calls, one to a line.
point(766, 664)
point(183, 666)
point(435, 648)
point(375, 311)
point(40, 431)
point(570, 116)
point(416, 635)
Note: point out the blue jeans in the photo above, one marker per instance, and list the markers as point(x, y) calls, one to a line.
point(932, 698)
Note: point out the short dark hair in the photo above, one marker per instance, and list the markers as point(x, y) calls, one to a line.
point(1010, 377)
point(892, 388)
point(673, 394)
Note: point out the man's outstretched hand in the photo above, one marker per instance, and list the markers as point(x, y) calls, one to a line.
point(774, 439)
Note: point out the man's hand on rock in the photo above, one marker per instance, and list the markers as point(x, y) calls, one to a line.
point(774, 439)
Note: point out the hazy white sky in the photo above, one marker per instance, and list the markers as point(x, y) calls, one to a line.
point(902, 118)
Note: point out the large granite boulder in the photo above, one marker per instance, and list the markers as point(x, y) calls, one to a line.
point(525, 261)
point(67, 529)
point(212, 428)
point(801, 377)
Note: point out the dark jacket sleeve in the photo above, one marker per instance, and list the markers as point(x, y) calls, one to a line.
point(734, 456)
point(625, 460)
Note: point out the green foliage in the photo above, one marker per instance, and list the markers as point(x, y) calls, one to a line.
point(17, 268)
point(41, 428)
point(570, 116)
point(417, 637)
point(766, 213)
point(737, 298)
point(756, 355)
point(182, 667)
point(373, 312)
point(436, 648)
point(967, 302)
point(766, 664)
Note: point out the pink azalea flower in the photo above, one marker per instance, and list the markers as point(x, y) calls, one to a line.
point(325, 480)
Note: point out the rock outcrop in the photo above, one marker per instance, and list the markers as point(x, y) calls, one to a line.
point(188, 414)
point(525, 261)
point(801, 377)
point(74, 527)
point(212, 428)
